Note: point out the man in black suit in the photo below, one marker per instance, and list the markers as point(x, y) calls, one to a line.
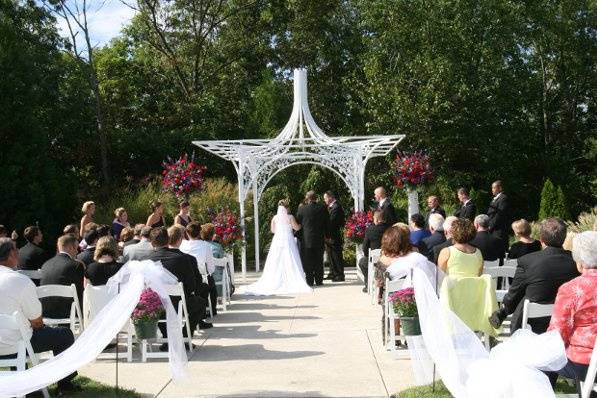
point(86, 256)
point(437, 236)
point(335, 239)
point(538, 277)
point(62, 269)
point(434, 208)
point(314, 219)
point(491, 247)
point(372, 241)
point(447, 226)
point(384, 204)
point(184, 267)
point(32, 256)
point(468, 208)
point(499, 214)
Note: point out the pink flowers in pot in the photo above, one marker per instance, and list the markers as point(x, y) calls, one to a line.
point(149, 308)
point(404, 302)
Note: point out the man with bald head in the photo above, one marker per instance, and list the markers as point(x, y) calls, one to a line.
point(385, 206)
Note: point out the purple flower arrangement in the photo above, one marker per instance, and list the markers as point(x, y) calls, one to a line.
point(412, 169)
point(404, 302)
point(149, 308)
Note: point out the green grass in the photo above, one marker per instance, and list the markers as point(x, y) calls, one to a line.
point(94, 389)
point(442, 392)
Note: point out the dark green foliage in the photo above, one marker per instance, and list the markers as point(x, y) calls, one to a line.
point(553, 202)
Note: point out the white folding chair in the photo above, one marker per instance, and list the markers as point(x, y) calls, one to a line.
point(76, 315)
point(95, 298)
point(22, 349)
point(588, 385)
point(534, 310)
point(230, 257)
point(491, 264)
point(390, 334)
point(224, 263)
point(504, 272)
point(183, 320)
point(374, 256)
point(31, 274)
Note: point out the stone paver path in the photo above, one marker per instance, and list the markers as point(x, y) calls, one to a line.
point(325, 344)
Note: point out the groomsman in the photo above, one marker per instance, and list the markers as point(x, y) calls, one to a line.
point(434, 208)
point(335, 239)
point(468, 208)
point(385, 206)
point(314, 219)
point(499, 213)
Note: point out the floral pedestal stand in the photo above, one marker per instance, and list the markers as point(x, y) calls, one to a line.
point(413, 202)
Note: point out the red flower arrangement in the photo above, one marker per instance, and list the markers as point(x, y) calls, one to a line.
point(227, 228)
point(412, 169)
point(356, 224)
point(149, 307)
point(183, 176)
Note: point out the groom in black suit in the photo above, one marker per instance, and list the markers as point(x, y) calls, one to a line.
point(314, 219)
point(335, 239)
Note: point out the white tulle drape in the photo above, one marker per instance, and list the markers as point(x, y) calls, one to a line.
point(512, 369)
point(133, 277)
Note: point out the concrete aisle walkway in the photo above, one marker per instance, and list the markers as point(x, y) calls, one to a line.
point(325, 344)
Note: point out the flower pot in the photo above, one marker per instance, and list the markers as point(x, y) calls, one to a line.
point(410, 326)
point(146, 329)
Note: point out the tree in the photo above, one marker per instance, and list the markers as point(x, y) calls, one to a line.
point(553, 202)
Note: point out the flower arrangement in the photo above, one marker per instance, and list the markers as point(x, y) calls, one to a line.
point(227, 228)
point(149, 308)
point(404, 302)
point(412, 169)
point(183, 176)
point(356, 224)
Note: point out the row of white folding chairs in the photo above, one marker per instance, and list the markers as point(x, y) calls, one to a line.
point(373, 258)
point(75, 319)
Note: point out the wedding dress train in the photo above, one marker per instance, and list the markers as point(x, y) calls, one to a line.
point(283, 272)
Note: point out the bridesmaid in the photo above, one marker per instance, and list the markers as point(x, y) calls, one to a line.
point(183, 218)
point(156, 218)
point(88, 211)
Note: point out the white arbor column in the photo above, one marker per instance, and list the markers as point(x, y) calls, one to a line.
point(241, 203)
point(256, 220)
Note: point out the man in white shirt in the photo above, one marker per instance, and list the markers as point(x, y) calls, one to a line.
point(19, 294)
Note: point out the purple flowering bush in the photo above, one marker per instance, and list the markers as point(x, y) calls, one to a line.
point(404, 302)
point(149, 307)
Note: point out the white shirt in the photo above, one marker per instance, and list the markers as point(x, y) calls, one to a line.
point(18, 294)
point(381, 202)
point(496, 196)
point(202, 251)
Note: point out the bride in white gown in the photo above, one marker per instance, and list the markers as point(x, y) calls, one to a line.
point(283, 272)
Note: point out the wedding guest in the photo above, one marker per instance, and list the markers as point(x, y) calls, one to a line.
point(525, 244)
point(384, 204)
point(418, 231)
point(88, 227)
point(62, 269)
point(499, 213)
point(491, 247)
point(202, 252)
point(447, 227)
point(142, 250)
point(32, 256)
point(209, 236)
point(434, 208)
point(120, 222)
point(467, 208)
point(183, 218)
point(575, 313)
point(156, 218)
point(86, 256)
point(104, 265)
point(72, 229)
point(538, 277)
point(437, 236)
point(462, 258)
point(567, 245)
point(126, 235)
point(136, 235)
point(88, 211)
point(19, 295)
point(334, 241)
point(372, 241)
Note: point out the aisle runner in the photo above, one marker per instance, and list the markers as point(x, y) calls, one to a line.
point(133, 277)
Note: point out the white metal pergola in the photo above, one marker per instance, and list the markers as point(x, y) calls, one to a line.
point(257, 161)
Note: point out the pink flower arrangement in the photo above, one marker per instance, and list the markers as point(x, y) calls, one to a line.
point(227, 228)
point(404, 302)
point(149, 308)
point(356, 224)
point(412, 169)
point(183, 176)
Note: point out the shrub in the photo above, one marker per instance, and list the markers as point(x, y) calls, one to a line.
point(585, 221)
point(553, 202)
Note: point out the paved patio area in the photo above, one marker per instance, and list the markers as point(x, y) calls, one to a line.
point(325, 344)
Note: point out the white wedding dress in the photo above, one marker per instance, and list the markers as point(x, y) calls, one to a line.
point(283, 272)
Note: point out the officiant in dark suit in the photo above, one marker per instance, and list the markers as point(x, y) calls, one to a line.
point(335, 238)
point(499, 213)
point(468, 208)
point(386, 207)
point(314, 219)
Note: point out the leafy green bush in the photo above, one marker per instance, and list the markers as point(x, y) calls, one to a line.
point(553, 202)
